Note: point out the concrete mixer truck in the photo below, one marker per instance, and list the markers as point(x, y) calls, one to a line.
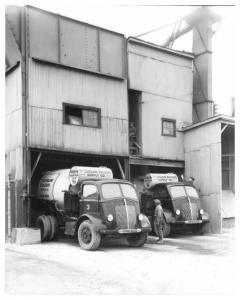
point(180, 201)
point(89, 204)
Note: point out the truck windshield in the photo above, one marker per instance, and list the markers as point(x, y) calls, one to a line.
point(128, 191)
point(191, 191)
point(113, 190)
point(183, 191)
point(177, 191)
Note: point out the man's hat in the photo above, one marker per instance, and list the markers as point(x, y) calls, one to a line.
point(157, 201)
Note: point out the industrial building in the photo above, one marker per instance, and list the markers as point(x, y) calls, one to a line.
point(72, 93)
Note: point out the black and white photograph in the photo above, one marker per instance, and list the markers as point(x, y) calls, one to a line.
point(119, 138)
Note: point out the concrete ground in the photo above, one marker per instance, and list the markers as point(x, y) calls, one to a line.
point(184, 264)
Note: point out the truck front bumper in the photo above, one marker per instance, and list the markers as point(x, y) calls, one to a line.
point(189, 222)
point(123, 231)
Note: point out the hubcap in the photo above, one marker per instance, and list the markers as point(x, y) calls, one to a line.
point(86, 235)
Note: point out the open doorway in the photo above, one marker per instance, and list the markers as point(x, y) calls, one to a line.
point(228, 175)
point(134, 103)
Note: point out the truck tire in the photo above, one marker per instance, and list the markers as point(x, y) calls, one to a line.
point(54, 227)
point(166, 228)
point(43, 222)
point(137, 239)
point(88, 238)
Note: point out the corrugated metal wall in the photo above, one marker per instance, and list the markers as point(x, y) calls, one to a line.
point(165, 80)
point(70, 42)
point(13, 122)
point(50, 86)
point(13, 145)
point(203, 162)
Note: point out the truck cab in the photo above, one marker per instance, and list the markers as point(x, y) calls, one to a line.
point(91, 208)
point(180, 201)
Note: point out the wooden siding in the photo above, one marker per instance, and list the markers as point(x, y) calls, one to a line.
point(203, 162)
point(154, 108)
point(165, 81)
point(50, 86)
point(13, 110)
point(13, 130)
point(13, 91)
point(60, 39)
point(160, 73)
point(13, 124)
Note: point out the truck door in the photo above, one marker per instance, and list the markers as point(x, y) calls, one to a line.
point(89, 200)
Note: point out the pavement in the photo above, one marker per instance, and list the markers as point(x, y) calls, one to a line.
point(183, 264)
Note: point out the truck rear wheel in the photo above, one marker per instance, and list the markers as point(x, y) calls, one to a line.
point(43, 222)
point(54, 227)
point(88, 238)
point(166, 228)
point(137, 239)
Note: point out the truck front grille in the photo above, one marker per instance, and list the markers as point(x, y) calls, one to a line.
point(189, 213)
point(125, 216)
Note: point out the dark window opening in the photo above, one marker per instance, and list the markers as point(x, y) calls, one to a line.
point(81, 115)
point(228, 157)
point(168, 127)
point(228, 173)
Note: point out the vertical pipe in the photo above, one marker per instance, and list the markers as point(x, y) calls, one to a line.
point(16, 204)
point(24, 114)
point(120, 168)
point(98, 51)
point(127, 168)
point(9, 206)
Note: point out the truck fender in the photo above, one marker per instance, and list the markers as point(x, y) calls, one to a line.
point(168, 216)
point(205, 217)
point(145, 223)
point(97, 223)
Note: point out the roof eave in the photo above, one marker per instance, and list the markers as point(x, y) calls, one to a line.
point(158, 47)
point(222, 118)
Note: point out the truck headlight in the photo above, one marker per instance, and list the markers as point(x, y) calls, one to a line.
point(110, 218)
point(140, 217)
point(178, 212)
point(201, 211)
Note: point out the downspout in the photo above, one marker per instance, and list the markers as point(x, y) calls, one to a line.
point(120, 168)
point(25, 142)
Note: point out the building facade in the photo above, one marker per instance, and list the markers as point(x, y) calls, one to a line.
point(160, 104)
point(77, 94)
point(210, 159)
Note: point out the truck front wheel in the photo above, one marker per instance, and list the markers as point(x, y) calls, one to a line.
point(137, 239)
point(88, 238)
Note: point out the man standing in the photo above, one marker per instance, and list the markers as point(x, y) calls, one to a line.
point(158, 219)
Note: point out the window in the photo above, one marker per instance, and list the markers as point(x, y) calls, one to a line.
point(168, 127)
point(191, 192)
point(178, 191)
point(90, 191)
point(111, 190)
point(81, 115)
point(129, 191)
point(228, 178)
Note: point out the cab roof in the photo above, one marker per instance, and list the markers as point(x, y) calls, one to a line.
point(181, 183)
point(101, 181)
